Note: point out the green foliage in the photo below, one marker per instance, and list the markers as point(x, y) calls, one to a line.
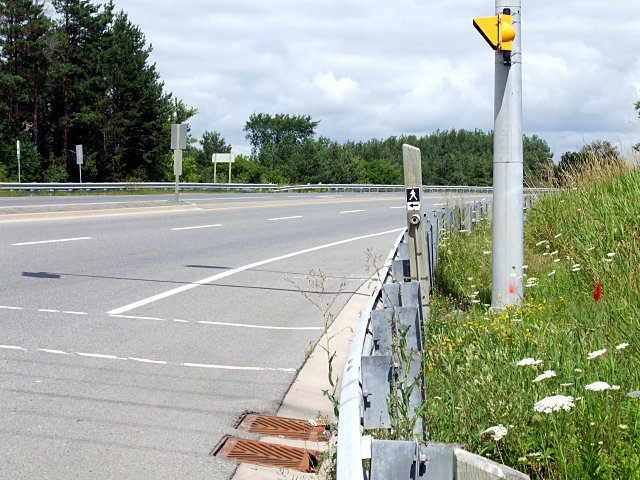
point(595, 155)
point(586, 235)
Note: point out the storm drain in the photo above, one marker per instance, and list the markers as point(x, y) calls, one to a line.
point(267, 454)
point(293, 428)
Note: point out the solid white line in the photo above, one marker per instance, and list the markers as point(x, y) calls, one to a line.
point(146, 360)
point(352, 211)
point(98, 355)
point(233, 271)
point(12, 347)
point(230, 367)
point(53, 351)
point(265, 327)
point(193, 228)
point(5, 307)
point(52, 241)
point(284, 218)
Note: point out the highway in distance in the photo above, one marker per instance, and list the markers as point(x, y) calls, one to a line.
point(130, 344)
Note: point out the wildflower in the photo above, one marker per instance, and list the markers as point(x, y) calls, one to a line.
point(499, 431)
point(535, 454)
point(611, 254)
point(554, 404)
point(556, 260)
point(555, 252)
point(545, 375)
point(597, 294)
point(600, 386)
point(623, 426)
point(438, 398)
point(541, 242)
point(590, 249)
point(487, 252)
point(524, 267)
point(608, 260)
point(552, 272)
point(528, 361)
point(622, 346)
point(558, 235)
point(597, 353)
point(566, 384)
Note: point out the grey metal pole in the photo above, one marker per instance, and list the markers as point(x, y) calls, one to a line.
point(508, 197)
point(230, 170)
point(18, 154)
point(215, 168)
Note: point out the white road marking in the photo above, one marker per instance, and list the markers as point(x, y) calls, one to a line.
point(75, 313)
point(230, 367)
point(47, 310)
point(155, 362)
point(284, 218)
point(133, 317)
point(398, 207)
point(146, 360)
point(228, 273)
point(352, 211)
point(52, 241)
point(5, 307)
point(265, 327)
point(180, 321)
point(198, 226)
point(99, 355)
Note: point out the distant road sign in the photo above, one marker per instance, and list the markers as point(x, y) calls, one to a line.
point(178, 136)
point(223, 157)
point(79, 156)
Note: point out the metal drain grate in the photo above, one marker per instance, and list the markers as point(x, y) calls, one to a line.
point(267, 454)
point(284, 427)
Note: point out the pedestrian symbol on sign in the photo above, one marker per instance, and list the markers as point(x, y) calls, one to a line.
point(413, 199)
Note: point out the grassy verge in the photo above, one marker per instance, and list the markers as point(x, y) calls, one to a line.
point(549, 387)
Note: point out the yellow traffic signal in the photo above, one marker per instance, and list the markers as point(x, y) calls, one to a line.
point(497, 31)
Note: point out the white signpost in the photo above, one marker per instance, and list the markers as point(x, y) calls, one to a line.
point(222, 158)
point(18, 153)
point(79, 160)
point(178, 143)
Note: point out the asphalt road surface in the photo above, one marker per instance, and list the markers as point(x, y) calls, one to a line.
point(130, 344)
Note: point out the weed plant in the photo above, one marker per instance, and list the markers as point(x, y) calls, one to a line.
point(551, 386)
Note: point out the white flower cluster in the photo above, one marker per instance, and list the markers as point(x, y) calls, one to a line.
point(545, 375)
point(528, 361)
point(498, 432)
point(600, 386)
point(554, 403)
point(597, 353)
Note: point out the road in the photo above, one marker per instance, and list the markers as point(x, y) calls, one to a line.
point(131, 343)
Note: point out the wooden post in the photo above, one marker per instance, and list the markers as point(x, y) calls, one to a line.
point(418, 255)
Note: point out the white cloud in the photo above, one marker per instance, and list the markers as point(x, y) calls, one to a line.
point(375, 69)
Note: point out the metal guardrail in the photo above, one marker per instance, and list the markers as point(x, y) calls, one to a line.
point(237, 187)
point(365, 400)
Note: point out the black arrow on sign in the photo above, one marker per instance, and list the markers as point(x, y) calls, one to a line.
point(414, 205)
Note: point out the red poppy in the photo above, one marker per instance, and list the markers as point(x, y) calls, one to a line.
point(597, 293)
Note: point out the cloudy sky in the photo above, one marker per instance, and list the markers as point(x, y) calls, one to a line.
point(373, 69)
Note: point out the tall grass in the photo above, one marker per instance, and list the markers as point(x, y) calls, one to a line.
point(573, 333)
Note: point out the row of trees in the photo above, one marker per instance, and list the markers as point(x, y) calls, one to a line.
point(73, 72)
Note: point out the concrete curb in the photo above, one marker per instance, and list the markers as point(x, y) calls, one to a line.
point(305, 399)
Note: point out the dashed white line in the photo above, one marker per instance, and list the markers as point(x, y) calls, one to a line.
point(48, 310)
point(284, 218)
point(233, 271)
point(264, 327)
point(180, 321)
point(352, 211)
point(99, 355)
point(146, 360)
point(52, 241)
point(196, 227)
point(5, 307)
point(74, 313)
point(133, 317)
point(397, 207)
point(154, 362)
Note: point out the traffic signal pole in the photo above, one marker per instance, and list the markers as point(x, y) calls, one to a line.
point(508, 194)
